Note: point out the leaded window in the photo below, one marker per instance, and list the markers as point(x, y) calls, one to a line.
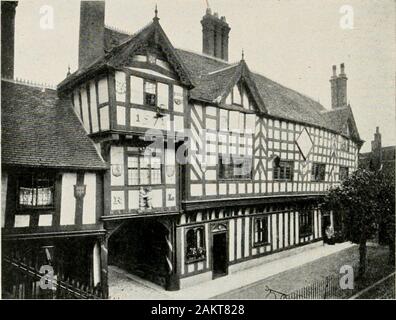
point(36, 190)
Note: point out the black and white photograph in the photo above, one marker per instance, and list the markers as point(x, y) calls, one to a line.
point(202, 150)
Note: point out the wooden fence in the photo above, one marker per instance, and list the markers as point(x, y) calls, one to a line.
point(23, 281)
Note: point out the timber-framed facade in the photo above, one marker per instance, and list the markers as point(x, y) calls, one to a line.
point(257, 157)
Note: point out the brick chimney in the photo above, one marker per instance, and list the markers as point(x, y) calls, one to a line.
point(338, 88)
point(8, 38)
point(91, 42)
point(215, 35)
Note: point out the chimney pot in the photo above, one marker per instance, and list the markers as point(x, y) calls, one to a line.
point(215, 36)
point(334, 71)
point(342, 66)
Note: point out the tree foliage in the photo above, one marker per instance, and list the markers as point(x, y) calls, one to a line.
point(364, 201)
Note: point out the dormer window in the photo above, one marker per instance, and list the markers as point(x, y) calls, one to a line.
point(150, 93)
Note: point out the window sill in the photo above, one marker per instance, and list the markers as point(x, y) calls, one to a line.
point(26, 209)
point(195, 260)
point(283, 180)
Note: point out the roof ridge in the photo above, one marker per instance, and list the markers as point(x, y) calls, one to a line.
point(333, 110)
point(112, 28)
point(205, 55)
point(30, 83)
point(223, 69)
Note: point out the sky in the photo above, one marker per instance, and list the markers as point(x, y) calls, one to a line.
point(293, 42)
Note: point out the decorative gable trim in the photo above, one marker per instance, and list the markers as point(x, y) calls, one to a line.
point(242, 74)
point(141, 43)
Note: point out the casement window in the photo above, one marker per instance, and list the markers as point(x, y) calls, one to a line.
point(283, 170)
point(235, 167)
point(261, 231)
point(144, 169)
point(36, 190)
point(344, 173)
point(150, 93)
point(195, 244)
point(318, 172)
point(305, 223)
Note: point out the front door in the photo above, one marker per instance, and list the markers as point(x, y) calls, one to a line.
point(219, 255)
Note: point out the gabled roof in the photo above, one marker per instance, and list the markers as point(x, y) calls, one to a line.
point(39, 129)
point(119, 54)
point(211, 77)
point(342, 121)
point(215, 86)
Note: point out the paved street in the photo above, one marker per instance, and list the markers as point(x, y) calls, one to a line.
point(280, 274)
point(302, 276)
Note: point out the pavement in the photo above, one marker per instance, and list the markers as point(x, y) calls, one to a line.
point(125, 286)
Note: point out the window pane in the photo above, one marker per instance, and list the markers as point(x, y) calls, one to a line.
point(150, 87)
point(144, 176)
point(132, 162)
point(25, 196)
point(133, 177)
point(44, 196)
point(155, 176)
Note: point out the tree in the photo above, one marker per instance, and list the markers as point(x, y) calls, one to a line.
point(363, 200)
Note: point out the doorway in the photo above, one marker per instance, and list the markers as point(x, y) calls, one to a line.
point(219, 255)
point(139, 247)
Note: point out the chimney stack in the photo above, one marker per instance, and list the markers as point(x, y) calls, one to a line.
point(376, 151)
point(92, 25)
point(338, 88)
point(8, 38)
point(215, 35)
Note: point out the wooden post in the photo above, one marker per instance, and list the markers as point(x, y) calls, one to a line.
point(103, 266)
point(172, 280)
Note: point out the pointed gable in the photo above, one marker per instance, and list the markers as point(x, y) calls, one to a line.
point(150, 36)
point(342, 121)
point(154, 38)
point(229, 85)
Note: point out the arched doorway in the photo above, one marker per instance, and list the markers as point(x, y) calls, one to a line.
point(139, 247)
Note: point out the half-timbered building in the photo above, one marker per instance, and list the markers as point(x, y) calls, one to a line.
point(212, 166)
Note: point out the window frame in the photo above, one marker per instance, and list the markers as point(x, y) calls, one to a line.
point(155, 83)
point(265, 239)
point(139, 156)
point(307, 215)
point(34, 178)
point(202, 257)
point(233, 176)
point(313, 173)
point(278, 178)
